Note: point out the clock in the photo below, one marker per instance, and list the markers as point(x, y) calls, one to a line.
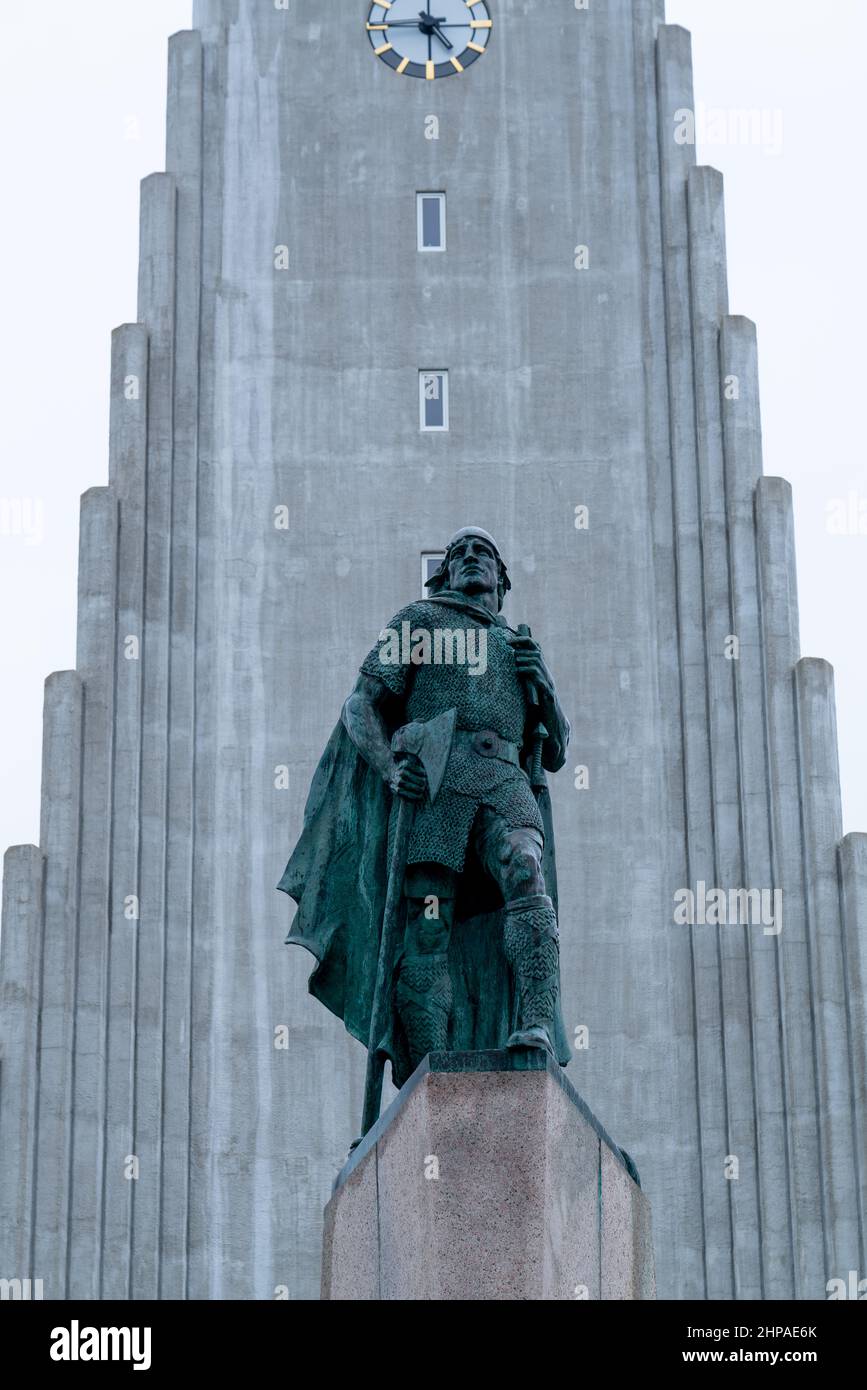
point(440, 38)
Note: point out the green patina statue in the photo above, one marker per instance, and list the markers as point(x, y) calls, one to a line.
point(424, 875)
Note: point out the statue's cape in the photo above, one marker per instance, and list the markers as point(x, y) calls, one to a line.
point(338, 876)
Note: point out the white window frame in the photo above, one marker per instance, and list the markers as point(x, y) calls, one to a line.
point(419, 205)
point(422, 422)
point(439, 556)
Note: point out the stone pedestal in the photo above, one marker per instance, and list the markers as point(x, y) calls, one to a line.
point(487, 1178)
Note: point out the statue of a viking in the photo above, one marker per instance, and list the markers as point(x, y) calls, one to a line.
point(476, 964)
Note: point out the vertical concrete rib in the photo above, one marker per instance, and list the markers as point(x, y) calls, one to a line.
point(822, 822)
point(742, 437)
point(59, 839)
point(677, 1148)
point(709, 299)
point(183, 161)
point(97, 587)
point(853, 900)
point(157, 313)
point(775, 540)
point(20, 988)
point(675, 104)
point(204, 1240)
point(127, 469)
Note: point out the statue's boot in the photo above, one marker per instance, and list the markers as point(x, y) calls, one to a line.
point(532, 947)
point(424, 1002)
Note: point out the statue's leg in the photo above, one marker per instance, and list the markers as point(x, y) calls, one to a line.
point(530, 935)
point(424, 986)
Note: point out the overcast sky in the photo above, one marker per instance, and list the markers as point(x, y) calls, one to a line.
point(82, 111)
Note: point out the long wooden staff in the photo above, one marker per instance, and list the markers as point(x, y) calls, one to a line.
point(388, 945)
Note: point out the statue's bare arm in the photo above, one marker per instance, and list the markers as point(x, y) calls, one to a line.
point(364, 721)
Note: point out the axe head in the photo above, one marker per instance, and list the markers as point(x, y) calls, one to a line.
point(431, 743)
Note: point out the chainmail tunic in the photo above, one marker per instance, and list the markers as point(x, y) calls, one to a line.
point(493, 699)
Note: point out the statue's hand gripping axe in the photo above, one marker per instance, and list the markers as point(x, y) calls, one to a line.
point(431, 743)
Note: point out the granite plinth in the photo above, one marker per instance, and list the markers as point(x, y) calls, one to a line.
point(487, 1178)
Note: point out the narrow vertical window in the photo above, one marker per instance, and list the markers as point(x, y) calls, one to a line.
point(431, 221)
point(430, 563)
point(433, 400)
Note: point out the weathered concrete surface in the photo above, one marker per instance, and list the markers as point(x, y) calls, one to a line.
point(310, 401)
point(127, 472)
point(485, 1182)
point(20, 985)
point(59, 838)
point(626, 388)
point(97, 609)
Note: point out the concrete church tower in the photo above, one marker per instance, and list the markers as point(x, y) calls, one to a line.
point(271, 495)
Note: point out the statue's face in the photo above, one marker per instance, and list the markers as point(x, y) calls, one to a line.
point(473, 567)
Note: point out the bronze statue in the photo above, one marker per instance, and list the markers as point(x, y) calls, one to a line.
point(427, 847)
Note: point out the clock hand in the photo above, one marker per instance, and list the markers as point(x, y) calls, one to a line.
point(412, 24)
point(442, 38)
point(417, 23)
point(427, 22)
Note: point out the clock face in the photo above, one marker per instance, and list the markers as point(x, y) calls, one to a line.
point(429, 38)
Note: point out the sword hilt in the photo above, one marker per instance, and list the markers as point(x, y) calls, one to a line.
point(530, 686)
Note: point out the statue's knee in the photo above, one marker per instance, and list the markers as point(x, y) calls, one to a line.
point(522, 865)
point(426, 935)
point(429, 895)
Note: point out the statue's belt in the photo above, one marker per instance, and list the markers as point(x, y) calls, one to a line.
point(488, 745)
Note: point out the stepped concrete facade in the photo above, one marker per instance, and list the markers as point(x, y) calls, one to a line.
point(173, 1105)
